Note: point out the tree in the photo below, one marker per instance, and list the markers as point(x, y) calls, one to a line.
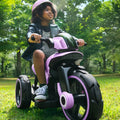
point(16, 20)
point(110, 20)
point(5, 9)
point(20, 18)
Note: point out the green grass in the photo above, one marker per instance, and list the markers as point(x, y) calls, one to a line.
point(9, 111)
point(110, 87)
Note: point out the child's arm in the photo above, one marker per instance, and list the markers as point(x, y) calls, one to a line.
point(33, 31)
point(80, 42)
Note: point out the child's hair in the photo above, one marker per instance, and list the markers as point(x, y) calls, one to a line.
point(38, 12)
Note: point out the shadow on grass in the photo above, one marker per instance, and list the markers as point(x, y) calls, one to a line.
point(34, 113)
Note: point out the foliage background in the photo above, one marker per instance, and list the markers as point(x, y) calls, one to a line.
point(95, 21)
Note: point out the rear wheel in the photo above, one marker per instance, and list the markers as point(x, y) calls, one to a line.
point(23, 92)
point(88, 103)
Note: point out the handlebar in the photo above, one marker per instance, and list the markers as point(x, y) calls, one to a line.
point(48, 41)
point(42, 39)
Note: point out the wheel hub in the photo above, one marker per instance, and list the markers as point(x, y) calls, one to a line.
point(66, 100)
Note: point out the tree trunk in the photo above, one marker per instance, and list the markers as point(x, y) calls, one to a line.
point(104, 62)
point(18, 67)
point(2, 65)
point(100, 67)
point(114, 66)
point(114, 63)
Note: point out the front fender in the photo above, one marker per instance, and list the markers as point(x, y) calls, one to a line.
point(87, 77)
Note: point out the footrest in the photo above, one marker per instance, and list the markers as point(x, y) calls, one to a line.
point(47, 104)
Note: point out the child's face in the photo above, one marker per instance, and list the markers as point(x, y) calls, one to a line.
point(47, 14)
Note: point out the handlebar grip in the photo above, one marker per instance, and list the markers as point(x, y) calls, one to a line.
point(85, 44)
point(33, 38)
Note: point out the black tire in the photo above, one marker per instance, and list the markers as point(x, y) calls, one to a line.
point(88, 104)
point(23, 92)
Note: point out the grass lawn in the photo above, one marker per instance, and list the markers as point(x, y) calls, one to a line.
point(110, 87)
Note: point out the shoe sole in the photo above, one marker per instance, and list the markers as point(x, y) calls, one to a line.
point(40, 100)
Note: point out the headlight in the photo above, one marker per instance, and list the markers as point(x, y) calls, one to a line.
point(77, 62)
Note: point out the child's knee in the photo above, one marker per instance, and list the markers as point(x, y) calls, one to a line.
point(38, 54)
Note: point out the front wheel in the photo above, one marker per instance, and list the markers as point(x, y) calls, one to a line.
point(88, 104)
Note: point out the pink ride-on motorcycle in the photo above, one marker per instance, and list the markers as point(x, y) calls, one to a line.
point(70, 86)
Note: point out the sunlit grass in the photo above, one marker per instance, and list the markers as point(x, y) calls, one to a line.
point(9, 111)
point(110, 87)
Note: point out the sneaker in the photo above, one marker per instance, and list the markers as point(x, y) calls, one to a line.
point(41, 93)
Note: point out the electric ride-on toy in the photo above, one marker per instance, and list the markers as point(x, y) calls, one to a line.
point(70, 86)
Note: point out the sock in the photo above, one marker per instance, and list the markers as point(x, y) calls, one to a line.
point(41, 85)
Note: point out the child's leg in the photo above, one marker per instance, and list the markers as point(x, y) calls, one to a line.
point(38, 60)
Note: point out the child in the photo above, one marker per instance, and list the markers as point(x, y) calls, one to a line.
point(43, 13)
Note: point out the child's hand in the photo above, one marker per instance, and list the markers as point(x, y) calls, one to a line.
point(81, 42)
point(37, 38)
